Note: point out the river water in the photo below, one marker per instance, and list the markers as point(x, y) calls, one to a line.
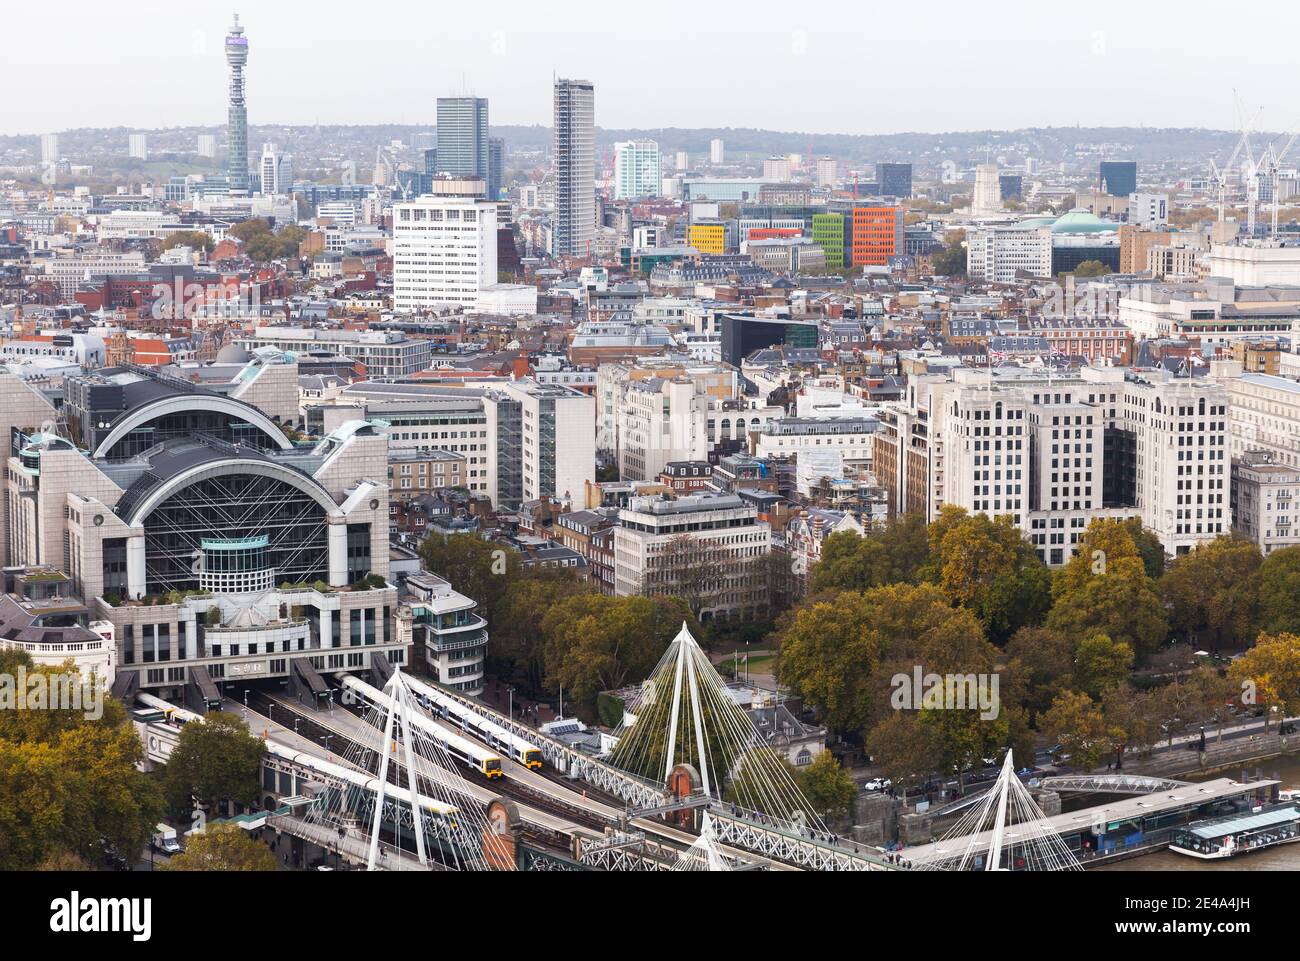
point(1284, 858)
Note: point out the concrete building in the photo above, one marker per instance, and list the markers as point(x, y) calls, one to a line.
point(1262, 264)
point(637, 171)
point(463, 137)
point(444, 251)
point(198, 539)
point(1265, 501)
point(717, 152)
point(445, 624)
point(659, 540)
point(998, 255)
point(138, 146)
point(986, 197)
point(544, 443)
point(574, 225)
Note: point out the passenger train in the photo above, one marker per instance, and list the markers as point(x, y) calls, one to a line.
point(468, 752)
point(470, 721)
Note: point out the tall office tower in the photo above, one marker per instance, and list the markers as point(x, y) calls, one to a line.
point(496, 167)
point(777, 169)
point(207, 146)
point(49, 148)
point(827, 172)
point(1119, 178)
point(682, 161)
point(575, 168)
point(895, 179)
point(717, 154)
point(637, 169)
point(237, 122)
point(276, 170)
point(463, 136)
point(138, 146)
point(986, 201)
point(444, 249)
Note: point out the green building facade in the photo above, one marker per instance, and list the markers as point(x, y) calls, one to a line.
point(828, 234)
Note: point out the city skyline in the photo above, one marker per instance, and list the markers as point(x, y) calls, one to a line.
point(1120, 49)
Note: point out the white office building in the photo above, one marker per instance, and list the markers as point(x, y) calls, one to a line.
point(207, 145)
point(138, 147)
point(997, 254)
point(1148, 211)
point(717, 152)
point(637, 169)
point(986, 200)
point(444, 251)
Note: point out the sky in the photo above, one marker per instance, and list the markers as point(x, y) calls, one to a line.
point(845, 67)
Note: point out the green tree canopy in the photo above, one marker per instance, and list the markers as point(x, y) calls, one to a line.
point(222, 847)
point(1214, 589)
point(1279, 592)
point(215, 760)
point(850, 562)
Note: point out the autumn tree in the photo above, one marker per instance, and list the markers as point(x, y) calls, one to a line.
point(594, 643)
point(68, 777)
point(1081, 728)
point(1040, 664)
point(222, 847)
point(988, 567)
point(1104, 589)
point(1214, 588)
point(1268, 675)
point(852, 562)
point(216, 760)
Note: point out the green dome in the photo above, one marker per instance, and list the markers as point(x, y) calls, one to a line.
point(1079, 221)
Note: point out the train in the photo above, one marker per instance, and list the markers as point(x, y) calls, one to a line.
point(469, 753)
point(493, 734)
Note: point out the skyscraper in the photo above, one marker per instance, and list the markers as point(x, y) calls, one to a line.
point(138, 146)
point(717, 152)
point(637, 169)
point(237, 125)
point(496, 167)
point(49, 148)
point(986, 200)
point(1119, 178)
point(463, 136)
point(276, 170)
point(895, 179)
point(575, 168)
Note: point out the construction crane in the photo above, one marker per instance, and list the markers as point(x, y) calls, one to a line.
point(1273, 164)
point(1220, 174)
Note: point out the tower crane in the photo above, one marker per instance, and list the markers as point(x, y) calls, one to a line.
point(1274, 165)
point(1220, 174)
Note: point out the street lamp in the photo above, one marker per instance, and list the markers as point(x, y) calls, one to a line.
point(511, 692)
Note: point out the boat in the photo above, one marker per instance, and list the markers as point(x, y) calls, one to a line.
point(1219, 838)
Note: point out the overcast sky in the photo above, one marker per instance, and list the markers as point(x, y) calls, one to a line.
point(846, 67)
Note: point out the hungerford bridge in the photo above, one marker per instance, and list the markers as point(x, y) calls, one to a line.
point(690, 785)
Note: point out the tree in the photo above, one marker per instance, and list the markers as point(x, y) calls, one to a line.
point(1104, 589)
point(215, 760)
point(1091, 268)
point(595, 643)
point(222, 847)
point(1215, 587)
point(68, 779)
point(827, 786)
point(950, 261)
point(840, 651)
point(693, 570)
point(904, 749)
point(1079, 726)
point(1148, 547)
point(852, 562)
point(1100, 664)
point(196, 239)
point(1133, 719)
point(1268, 675)
point(987, 566)
point(477, 568)
point(1279, 592)
point(518, 644)
point(1040, 664)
